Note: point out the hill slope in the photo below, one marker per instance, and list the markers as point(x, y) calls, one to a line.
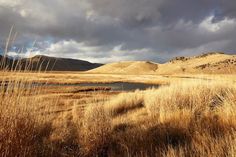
point(51, 64)
point(218, 63)
point(127, 67)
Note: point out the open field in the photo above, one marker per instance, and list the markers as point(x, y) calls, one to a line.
point(117, 78)
point(189, 115)
point(86, 77)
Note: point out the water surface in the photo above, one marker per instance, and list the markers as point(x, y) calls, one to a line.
point(117, 86)
point(121, 86)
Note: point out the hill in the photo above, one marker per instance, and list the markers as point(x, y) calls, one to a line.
point(128, 67)
point(209, 63)
point(41, 62)
point(213, 62)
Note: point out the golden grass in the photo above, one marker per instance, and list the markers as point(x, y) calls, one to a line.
point(185, 118)
point(124, 102)
point(21, 131)
point(95, 131)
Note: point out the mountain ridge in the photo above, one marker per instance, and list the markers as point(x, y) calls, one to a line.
point(48, 63)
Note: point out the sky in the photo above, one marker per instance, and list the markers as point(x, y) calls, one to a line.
point(106, 31)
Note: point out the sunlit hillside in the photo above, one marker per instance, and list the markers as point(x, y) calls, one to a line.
point(127, 67)
point(209, 63)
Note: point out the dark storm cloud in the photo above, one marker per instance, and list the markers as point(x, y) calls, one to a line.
point(227, 8)
point(160, 28)
point(137, 12)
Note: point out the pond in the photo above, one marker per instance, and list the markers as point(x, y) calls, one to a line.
point(117, 86)
point(121, 86)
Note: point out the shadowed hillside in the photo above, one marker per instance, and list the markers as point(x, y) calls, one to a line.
point(48, 63)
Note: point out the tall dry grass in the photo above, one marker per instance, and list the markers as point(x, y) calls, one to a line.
point(22, 130)
point(25, 126)
point(185, 119)
point(124, 102)
point(95, 133)
point(26, 122)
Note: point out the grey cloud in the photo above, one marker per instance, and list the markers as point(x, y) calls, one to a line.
point(166, 27)
point(165, 12)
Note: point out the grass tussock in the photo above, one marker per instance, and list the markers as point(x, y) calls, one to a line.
point(95, 133)
point(196, 97)
point(124, 102)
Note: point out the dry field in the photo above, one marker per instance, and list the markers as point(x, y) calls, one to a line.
point(189, 115)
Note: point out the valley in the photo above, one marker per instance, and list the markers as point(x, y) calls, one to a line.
point(121, 109)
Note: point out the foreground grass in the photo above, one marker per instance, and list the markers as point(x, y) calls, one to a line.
point(182, 119)
point(185, 119)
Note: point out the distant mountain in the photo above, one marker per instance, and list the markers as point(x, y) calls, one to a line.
point(47, 63)
point(208, 63)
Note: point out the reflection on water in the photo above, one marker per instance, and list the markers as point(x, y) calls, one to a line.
point(121, 86)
